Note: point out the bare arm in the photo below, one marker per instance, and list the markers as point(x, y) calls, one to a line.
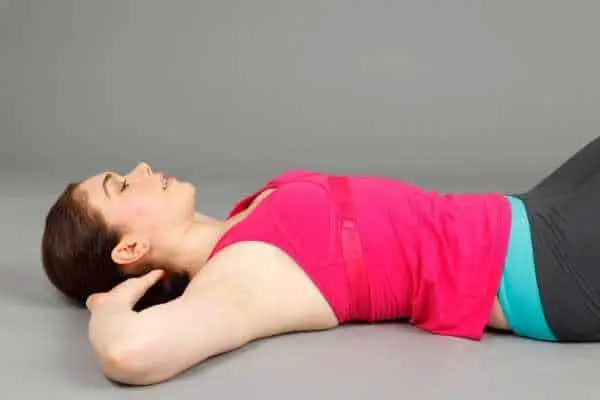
point(165, 340)
point(232, 303)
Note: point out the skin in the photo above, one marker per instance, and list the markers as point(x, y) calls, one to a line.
point(229, 302)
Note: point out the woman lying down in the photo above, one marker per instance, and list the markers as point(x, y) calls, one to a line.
point(168, 287)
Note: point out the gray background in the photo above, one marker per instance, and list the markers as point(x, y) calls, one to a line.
point(451, 95)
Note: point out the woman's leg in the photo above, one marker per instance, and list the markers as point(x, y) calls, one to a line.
point(580, 167)
point(566, 241)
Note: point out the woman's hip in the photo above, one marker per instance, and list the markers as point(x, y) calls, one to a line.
point(565, 257)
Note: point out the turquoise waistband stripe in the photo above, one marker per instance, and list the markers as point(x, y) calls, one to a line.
point(519, 293)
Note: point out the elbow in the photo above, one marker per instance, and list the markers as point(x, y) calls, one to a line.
point(126, 364)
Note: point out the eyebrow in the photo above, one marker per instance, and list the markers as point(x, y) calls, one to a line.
point(107, 178)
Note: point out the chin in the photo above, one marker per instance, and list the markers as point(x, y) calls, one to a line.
point(191, 200)
point(189, 186)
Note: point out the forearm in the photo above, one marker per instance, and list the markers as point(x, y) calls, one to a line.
point(160, 342)
point(111, 328)
point(127, 346)
point(112, 334)
point(172, 342)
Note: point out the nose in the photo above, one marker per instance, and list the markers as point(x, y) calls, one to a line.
point(143, 168)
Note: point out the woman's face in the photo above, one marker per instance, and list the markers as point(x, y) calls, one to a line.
point(141, 202)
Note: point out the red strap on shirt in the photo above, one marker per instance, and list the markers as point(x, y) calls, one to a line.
point(356, 273)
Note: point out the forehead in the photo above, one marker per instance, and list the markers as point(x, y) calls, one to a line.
point(94, 189)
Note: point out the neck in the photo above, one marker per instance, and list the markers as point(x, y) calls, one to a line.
point(197, 242)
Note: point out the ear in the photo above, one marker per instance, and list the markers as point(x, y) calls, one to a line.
point(130, 249)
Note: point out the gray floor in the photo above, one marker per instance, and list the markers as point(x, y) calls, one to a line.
point(470, 95)
point(45, 352)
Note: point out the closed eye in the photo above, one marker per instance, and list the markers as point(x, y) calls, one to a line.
point(124, 185)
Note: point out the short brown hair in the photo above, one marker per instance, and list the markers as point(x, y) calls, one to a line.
point(76, 253)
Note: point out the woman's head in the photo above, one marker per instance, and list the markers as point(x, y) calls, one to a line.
point(110, 227)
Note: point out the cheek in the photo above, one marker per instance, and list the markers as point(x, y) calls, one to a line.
point(165, 210)
point(151, 212)
point(141, 214)
point(134, 215)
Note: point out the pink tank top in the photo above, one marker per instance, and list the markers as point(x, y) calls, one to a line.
point(434, 259)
